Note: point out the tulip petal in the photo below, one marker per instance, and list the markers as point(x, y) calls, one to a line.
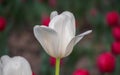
point(62, 25)
point(5, 59)
point(72, 26)
point(48, 39)
point(74, 41)
point(17, 66)
point(53, 14)
point(60, 22)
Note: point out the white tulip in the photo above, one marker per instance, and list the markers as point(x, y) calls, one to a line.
point(14, 66)
point(58, 39)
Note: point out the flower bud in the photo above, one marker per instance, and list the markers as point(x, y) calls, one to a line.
point(112, 18)
point(2, 23)
point(106, 62)
point(80, 72)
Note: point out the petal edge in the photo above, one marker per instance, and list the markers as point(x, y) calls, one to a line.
point(74, 41)
point(48, 39)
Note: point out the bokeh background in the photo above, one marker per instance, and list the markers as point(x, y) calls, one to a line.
point(18, 17)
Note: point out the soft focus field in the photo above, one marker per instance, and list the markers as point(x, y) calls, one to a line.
point(18, 17)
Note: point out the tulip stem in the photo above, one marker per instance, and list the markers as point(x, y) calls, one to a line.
point(57, 67)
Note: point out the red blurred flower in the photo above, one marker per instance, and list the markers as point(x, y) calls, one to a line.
point(80, 72)
point(52, 3)
point(2, 23)
point(116, 48)
point(45, 20)
point(53, 61)
point(116, 33)
point(106, 62)
point(33, 73)
point(112, 18)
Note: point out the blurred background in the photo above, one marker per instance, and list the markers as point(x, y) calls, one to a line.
point(18, 17)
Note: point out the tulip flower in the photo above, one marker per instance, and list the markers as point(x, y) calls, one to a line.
point(116, 33)
point(115, 48)
point(14, 66)
point(3, 23)
point(106, 62)
point(112, 18)
point(81, 72)
point(58, 38)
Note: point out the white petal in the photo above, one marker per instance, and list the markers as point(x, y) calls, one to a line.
point(74, 41)
point(72, 26)
point(17, 66)
point(48, 39)
point(5, 59)
point(62, 25)
point(60, 22)
point(53, 14)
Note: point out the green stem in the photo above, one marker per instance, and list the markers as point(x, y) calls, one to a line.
point(57, 68)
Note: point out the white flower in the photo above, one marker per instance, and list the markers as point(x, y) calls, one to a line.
point(14, 66)
point(58, 39)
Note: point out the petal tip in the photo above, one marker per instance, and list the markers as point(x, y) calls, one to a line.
point(4, 57)
point(53, 14)
point(36, 26)
point(89, 31)
point(68, 13)
point(85, 33)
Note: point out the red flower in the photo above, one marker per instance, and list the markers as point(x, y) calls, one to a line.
point(53, 61)
point(112, 18)
point(80, 72)
point(2, 23)
point(106, 62)
point(116, 33)
point(45, 20)
point(116, 48)
point(33, 73)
